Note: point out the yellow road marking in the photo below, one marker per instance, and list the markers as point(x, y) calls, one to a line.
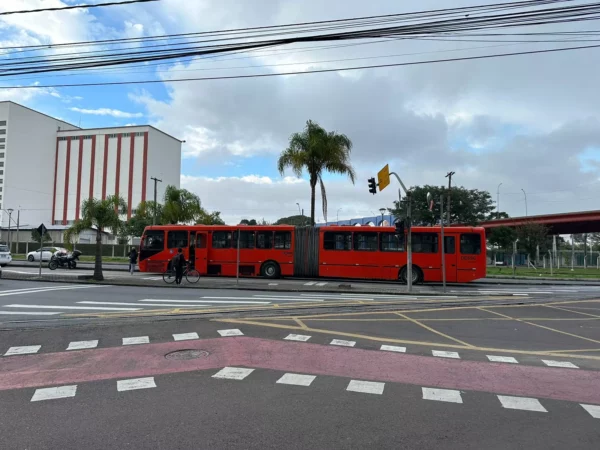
point(574, 312)
point(576, 351)
point(302, 324)
point(416, 322)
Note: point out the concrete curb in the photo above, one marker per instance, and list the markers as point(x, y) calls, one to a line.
point(504, 279)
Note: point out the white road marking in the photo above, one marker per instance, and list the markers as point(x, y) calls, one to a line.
point(45, 289)
point(343, 343)
point(54, 393)
point(186, 336)
point(267, 297)
point(80, 345)
point(310, 283)
point(152, 278)
point(273, 284)
point(594, 410)
point(523, 403)
point(136, 383)
point(297, 337)
point(29, 313)
point(233, 373)
point(366, 387)
point(520, 295)
point(234, 332)
point(392, 348)
point(72, 307)
point(442, 395)
point(443, 354)
point(503, 359)
point(321, 284)
point(25, 350)
point(204, 301)
point(296, 379)
point(564, 364)
point(136, 340)
point(169, 305)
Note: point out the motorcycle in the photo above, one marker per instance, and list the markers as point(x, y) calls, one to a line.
point(68, 260)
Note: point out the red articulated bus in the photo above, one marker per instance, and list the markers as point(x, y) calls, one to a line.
point(331, 251)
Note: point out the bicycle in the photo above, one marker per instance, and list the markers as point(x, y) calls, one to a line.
point(190, 274)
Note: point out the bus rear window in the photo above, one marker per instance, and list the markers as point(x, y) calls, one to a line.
point(154, 240)
point(470, 244)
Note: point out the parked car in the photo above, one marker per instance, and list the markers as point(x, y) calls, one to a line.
point(5, 255)
point(46, 253)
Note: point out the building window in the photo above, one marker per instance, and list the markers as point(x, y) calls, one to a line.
point(2, 154)
point(2, 139)
point(1, 163)
point(2, 147)
point(2, 131)
point(1, 171)
point(138, 134)
point(125, 135)
point(0, 188)
point(470, 244)
point(62, 138)
point(1, 181)
point(87, 137)
point(2, 123)
point(112, 136)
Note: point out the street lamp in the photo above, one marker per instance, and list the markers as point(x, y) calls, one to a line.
point(525, 194)
point(10, 211)
point(299, 213)
point(498, 202)
point(338, 215)
point(382, 210)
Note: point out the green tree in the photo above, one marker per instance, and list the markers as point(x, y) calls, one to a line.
point(531, 235)
point(248, 222)
point(317, 151)
point(35, 236)
point(213, 218)
point(468, 207)
point(299, 221)
point(180, 206)
point(503, 238)
point(98, 215)
point(143, 217)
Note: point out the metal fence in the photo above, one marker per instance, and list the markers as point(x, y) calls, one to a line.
point(562, 258)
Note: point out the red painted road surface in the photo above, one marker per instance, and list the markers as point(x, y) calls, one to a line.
point(54, 369)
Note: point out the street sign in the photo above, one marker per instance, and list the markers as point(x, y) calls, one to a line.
point(383, 177)
point(42, 229)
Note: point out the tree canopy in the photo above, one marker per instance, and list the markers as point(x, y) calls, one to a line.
point(503, 238)
point(531, 235)
point(180, 206)
point(299, 221)
point(317, 151)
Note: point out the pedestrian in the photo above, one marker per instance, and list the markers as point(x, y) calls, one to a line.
point(133, 257)
point(178, 263)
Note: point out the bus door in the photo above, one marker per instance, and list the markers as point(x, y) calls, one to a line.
point(471, 257)
point(201, 252)
point(450, 262)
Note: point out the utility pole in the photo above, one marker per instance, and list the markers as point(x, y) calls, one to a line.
point(498, 202)
point(449, 176)
point(10, 211)
point(18, 222)
point(525, 194)
point(156, 180)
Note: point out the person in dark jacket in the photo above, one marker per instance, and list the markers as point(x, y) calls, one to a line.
point(133, 257)
point(178, 263)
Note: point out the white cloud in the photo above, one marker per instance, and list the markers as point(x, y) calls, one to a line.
point(107, 112)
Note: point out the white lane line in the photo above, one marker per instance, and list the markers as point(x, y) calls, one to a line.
point(310, 283)
point(565, 364)
point(72, 307)
point(522, 403)
point(443, 354)
point(48, 289)
point(185, 336)
point(80, 345)
point(321, 284)
point(29, 313)
point(136, 340)
point(502, 359)
point(594, 410)
point(152, 278)
point(442, 395)
point(297, 337)
point(273, 284)
point(135, 383)
point(233, 332)
point(343, 343)
point(203, 301)
point(233, 373)
point(366, 387)
point(169, 305)
point(54, 393)
point(266, 297)
point(392, 348)
point(296, 379)
point(25, 350)
point(520, 295)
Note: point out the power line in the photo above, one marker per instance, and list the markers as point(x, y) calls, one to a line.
point(341, 69)
point(62, 8)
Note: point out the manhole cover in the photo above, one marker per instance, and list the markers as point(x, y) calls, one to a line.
point(187, 354)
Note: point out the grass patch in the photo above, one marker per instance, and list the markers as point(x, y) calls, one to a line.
point(540, 272)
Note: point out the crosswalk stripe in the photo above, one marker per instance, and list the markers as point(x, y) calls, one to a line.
point(504, 359)
point(233, 332)
point(297, 337)
point(81, 345)
point(72, 307)
point(564, 364)
point(186, 336)
point(135, 383)
point(392, 348)
point(136, 340)
point(296, 379)
point(366, 387)
point(206, 300)
point(24, 350)
point(233, 373)
point(594, 410)
point(522, 403)
point(443, 354)
point(169, 305)
point(28, 313)
point(273, 298)
point(310, 283)
point(343, 343)
point(54, 393)
point(442, 395)
point(321, 284)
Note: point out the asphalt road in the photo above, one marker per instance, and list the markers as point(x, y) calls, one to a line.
point(468, 377)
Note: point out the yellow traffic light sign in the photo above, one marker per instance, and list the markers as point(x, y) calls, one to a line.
point(383, 177)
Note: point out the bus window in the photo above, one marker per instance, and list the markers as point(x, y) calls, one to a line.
point(246, 239)
point(201, 241)
point(154, 240)
point(337, 241)
point(221, 239)
point(470, 244)
point(264, 239)
point(425, 243)
point(449, 245)
point(366, 242)
point(391, 242)
point(283, 240)
point(176, 239)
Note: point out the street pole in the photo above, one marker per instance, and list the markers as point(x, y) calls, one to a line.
point(237, 272)
point(443, 243)
point(10, 211)
point(156, 180)
point(408, 242)
point(449, 176)
point(298, 208)
point(572, 252)
point(498, 202)
point(525, 194)
point(513, 257)
point(18, 220)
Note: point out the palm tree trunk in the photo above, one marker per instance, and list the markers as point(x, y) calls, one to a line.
point(98, 276)
point(313, 186)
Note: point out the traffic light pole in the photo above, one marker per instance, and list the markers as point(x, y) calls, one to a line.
point(409, 278)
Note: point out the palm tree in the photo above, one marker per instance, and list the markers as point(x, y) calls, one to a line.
point(99, 215)
point(317, 151)
point(181, 206)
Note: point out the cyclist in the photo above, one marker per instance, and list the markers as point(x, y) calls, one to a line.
point(178, 263)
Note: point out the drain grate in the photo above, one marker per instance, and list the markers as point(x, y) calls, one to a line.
point(182, 355)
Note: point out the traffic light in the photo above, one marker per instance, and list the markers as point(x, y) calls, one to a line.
point(372, 186)
point(400, 227)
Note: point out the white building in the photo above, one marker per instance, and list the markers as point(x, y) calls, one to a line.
point(49, 167)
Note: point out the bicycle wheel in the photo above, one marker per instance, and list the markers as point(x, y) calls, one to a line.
point(169, 277)
point(192, 276)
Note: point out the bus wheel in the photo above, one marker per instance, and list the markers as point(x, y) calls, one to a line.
point(417, 275)
point(270, 269)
